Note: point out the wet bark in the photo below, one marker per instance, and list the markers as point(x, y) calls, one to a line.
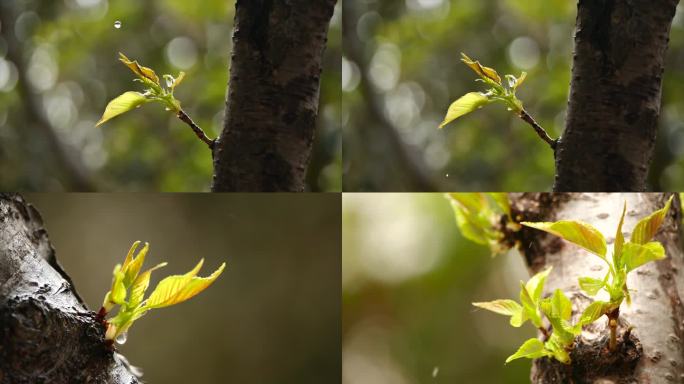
point(272, 103)
point(614, 102)
point(653, 352)
point(47, 334)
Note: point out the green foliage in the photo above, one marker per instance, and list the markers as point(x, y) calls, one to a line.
point(626, 256)
point(154, 91)
point(557, 309)
point(129, 283)
point(478, 216)
point(498, 91)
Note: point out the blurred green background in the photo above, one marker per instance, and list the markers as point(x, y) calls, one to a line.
point(408, 278)
point(68, 52)
point(273, 316)
point(401, 71)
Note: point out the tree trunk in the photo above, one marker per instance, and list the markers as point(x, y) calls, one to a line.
point(47, 334)
point(272, 103)
point(614, 102)
point(653, 352)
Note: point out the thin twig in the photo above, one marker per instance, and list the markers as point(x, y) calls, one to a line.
point(195, 128)
point(538, 128)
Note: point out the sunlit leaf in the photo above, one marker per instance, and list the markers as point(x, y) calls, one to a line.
point(576, 232)
point(619, 240)
point(503, 307)
point(594, 311)
point(590, 285)
point(464, 105)
point(529, 306)
point(532, 349)
point(118, 294)
point(166, 290)
point(472, 217)
point(535, 285)
point(557, 349)
point(482, 71)
point(138, 69)
point(636, 255)
point(647, 227)
point(140, 286)
point(122, 104)
point(520, 80)
point(178, 80)
point(197, 285)
point(176, 289)
point(132, 269)
point(501, 199)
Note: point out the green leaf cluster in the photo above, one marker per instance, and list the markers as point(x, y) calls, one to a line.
point(154, 91)
point(129, 287)
point(626, 257)
point(477, 216)
point(557, 309)
point(498, 91)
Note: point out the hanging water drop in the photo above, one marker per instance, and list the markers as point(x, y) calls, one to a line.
point(121, 339)
point(169, 81)
point(117, 24)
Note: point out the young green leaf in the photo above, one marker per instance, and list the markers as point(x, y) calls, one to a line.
point(176, 289)
point(532, 349)
point(636, 255)
point(593, 312)
point(576, 232)
point(501, 200)
point(619, 240)
point(519, 80)
point(535, 285)
point(529, 306)
point(590, 285)
point(140, 286)
point(482, 71)
point(505, 307)
point(122, 104)
point(464, 105)
point(647, 227)
point(556, 348)
point(142, 72)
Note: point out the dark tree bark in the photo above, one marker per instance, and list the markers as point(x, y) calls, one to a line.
point(47, 334)
point(653, 352)
point(272, 103)
point(614, 102)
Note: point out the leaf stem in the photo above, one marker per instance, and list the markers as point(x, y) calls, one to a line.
point(195, 128)
point(538, 128)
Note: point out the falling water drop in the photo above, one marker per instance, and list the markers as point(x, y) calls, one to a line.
point(117, 24)
point(447, 175)
point(121, 339)
point(435, 372)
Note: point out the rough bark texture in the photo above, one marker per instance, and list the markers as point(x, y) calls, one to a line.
point(615, 94)
point(272, 102)
point(653, 352)
point(47, 334)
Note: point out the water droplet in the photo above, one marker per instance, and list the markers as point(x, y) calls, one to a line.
point(169, 81)
point(447, 175)
point(435, 372)
point(121, 339)
point(117, 24)
point(167, 109)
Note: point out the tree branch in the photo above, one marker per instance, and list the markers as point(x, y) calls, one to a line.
point(195, 128)
point(47, 334)
point(538, 128)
